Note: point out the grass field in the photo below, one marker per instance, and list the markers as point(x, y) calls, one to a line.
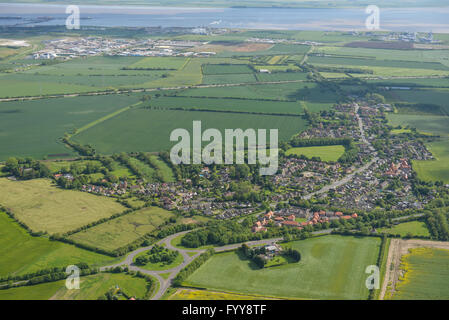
point(94, 286)
point(426, 275)
point(326, 153)
point(163, 171)
point(435, 170)
point(121, 231)
point(38, 292)
point(415, 228)
point(44, 207)
point(149, 130)
point(331, 267)
point(32, 128)
point(21, 253)
point(91, 288)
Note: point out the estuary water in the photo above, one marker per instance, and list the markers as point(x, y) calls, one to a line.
point(394, 19)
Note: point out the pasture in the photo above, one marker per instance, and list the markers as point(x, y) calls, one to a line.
point(414, 228)
point(91, 288)
point(21, 253)
point(149, 130)
point(119, 232)
point(434, 170)
point(43, 207)
point(94, 286)
point(426, 275)
point(331, 267)
point(33, 128)
point(325, 153)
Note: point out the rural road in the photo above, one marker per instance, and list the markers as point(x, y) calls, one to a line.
point(164, 284)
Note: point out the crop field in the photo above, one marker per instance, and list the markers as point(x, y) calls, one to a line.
point(226, 69)
point(277, 49)
point(326, 153)
point(192, 294)
point(222, 104)
point(426, 96)
point(281, 76)
point(414, 228)
point(149, 130)
point(433, 124)
point(119, 232)
point(331, 267)
point(345, 61)
point(314, 97)
point(434, 170)
point(44, 207)
point(32, 128)
point(426, 275)
point(169, 63)
point(229, 78)
point(385, 54)
point(419, 82)
point(20, 253)
point(279, 68)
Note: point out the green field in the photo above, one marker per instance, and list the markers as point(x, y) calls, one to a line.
point(121, 231)
point(33, 128)
point(44, 207)
point(326, 153)
point(229, 78)
point(226, 69)
point(91, 288)
point(414, 228)
point(426, 275)
point(170, 63)
point(94, 286)
point(426, 96)
point(438, 125)
point(435, 170)
point(21, 253)
point(149, 130)
point(221, 104)
point(331, 267)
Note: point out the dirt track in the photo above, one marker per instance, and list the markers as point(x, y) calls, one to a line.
point(398, 248)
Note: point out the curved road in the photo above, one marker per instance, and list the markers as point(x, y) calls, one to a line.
point(164, 284)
